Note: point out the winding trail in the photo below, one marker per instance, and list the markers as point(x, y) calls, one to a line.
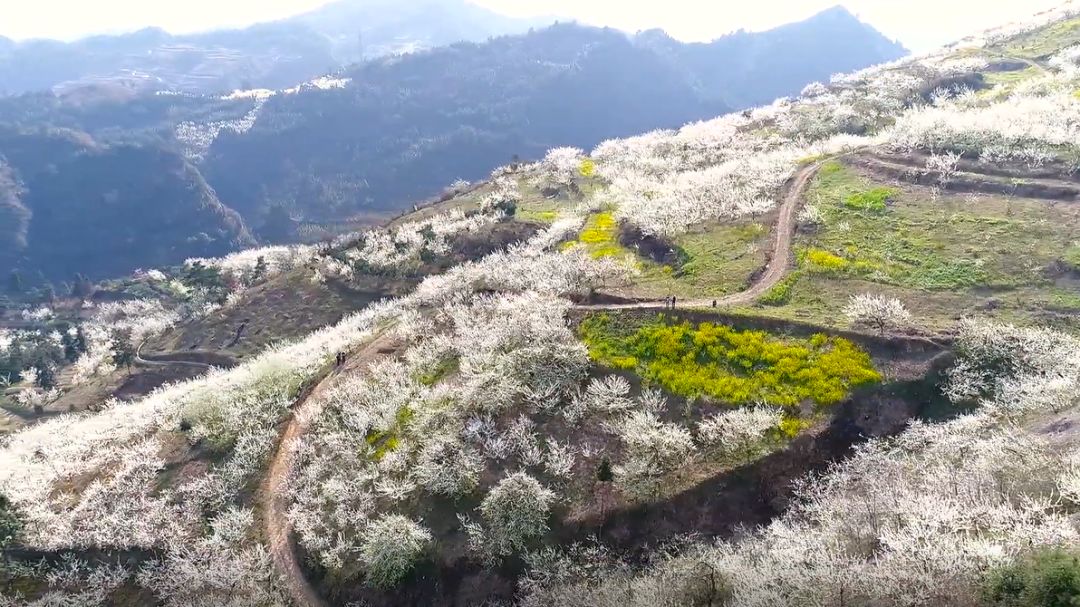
point(779, 257)
point(274, 500)
point(144, 362)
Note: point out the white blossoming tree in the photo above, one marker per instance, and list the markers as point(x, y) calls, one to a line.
point(877, 311)
point(515, 512)
point(739, 432)
point(392, 546)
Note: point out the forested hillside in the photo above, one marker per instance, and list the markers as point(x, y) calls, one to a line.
point(74, 206)
point(376, 138)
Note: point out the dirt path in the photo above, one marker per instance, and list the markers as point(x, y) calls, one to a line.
point(275, 504)
point(143, 362)
point(779, 257)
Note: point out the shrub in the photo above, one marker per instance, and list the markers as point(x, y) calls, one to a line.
point(877, 311)
point(780, 294)
point(739, 433)
point(874, 200)
point(653, 448)
point(391, 548)
point(516, 511)
point(9, 522)
point(735, 367)
point(1050, 578)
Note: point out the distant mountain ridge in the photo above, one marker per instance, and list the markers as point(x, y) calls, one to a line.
point(276, 54)
point(222, 170)
point(751, 68)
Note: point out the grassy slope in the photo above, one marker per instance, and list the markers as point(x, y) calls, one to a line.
point(1044, 42)
point(719, 259)
point(944, 258)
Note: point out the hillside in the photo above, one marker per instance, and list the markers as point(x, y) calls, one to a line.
point(856, 396)
point(328, 155)
point(266, 55)
point(62, 191)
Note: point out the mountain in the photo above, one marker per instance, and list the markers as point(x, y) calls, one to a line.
point(746, 69)
point(406, 126)
point(376, 137)
point(72, 205)
point(266, 55)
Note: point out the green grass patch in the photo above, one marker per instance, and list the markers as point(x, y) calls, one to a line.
point(1072, 256)
point(944, 257)
point(444, 368)
point(537, 216)
point(1049, 577)
point(874, 200)
point(729, 366)
point(716, 260)
point(384, 442)
point(949, 243)
point(1045, 41)
point(1010, 78)
point(780, 294)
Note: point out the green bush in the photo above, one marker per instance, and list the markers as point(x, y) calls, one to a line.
point(734, 367)
point(1050, 578)
point(873, 200)
point(1072, 257)
point(780, 294)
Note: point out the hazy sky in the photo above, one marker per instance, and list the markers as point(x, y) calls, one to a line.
point(919, 24)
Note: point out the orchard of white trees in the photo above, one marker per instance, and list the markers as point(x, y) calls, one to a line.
point(487, 359)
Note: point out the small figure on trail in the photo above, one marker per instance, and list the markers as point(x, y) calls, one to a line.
point(714, 303)
point(672, 302)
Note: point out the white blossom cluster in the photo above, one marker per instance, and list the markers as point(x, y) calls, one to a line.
point(384, 436)
point(235, 411)
point(116, 323)
point(71, 582)
point(40, 314)
point(239, 268)
point(1031, 129)
point(877, 311)
point(667, 181)
point(561, 165)
point(912, 520)
point(197, 137)
point(1014, 371)
point(401, 248)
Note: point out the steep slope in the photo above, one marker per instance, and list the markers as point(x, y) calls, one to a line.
point(79, 209)
point(492, 442)
point(269, 55)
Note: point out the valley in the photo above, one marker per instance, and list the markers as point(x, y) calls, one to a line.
point(824, 351)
